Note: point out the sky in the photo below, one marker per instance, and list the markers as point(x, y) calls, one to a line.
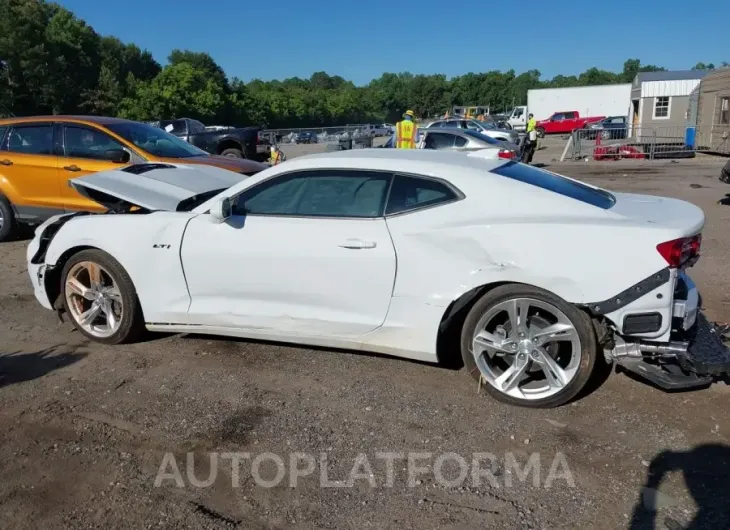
point(360, 40)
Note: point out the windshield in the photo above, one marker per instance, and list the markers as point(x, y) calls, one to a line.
point(154, 140)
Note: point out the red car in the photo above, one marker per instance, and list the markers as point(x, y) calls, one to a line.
point(564, 122)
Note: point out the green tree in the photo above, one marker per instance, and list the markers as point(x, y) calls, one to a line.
point(178, 91)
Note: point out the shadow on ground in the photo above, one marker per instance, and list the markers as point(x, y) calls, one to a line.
point(18, 367)
point(706, 472)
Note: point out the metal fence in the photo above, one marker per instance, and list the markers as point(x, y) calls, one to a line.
point(650, 143)
point(325, 134)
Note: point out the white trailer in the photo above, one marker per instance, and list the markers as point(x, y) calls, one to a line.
point(599, 100)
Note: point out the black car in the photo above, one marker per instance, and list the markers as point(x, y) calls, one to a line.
point(244, 142)
point(611, 128)
point(305, 137)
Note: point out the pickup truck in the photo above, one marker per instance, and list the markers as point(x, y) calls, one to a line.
point(243, 142)
point(564, 122)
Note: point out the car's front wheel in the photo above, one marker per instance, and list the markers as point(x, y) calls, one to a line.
point(100, 298)
point(531, 347)
point(540, 132)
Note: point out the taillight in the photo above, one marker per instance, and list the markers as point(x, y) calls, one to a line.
point(506, 153)
point(677, 252)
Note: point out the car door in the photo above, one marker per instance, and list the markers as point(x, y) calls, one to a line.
point(570, 121)
point(29, 168)
point(304, 253)
point(84, 151)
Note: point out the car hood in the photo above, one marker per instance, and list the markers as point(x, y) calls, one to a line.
point(154, 186)
point(239, 165)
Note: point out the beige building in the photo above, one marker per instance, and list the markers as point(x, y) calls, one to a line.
point(713, 112)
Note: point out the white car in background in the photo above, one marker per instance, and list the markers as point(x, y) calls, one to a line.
point(420, 254)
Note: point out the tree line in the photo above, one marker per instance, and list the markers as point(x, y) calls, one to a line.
point(52, 62)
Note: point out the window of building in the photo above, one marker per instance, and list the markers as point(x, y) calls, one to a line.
point(725, 111)
point(661, 107)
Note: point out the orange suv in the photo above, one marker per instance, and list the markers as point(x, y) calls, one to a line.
point(39, 155)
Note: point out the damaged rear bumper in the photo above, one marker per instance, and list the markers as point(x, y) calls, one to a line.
point(695, 355)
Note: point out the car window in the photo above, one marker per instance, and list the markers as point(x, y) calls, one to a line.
point(460, 141)
point(410, 193)
point(31, 139)
point(335, 193)
point(154, 140)
point(82, 142)
point(453, 124)
point(174, 126)
point(556, 183)
point(436, 124)
point(439, 140)
point(620, 121)
point(557, 117)
point(196, 127)
point(3, 130)
point(570, 115)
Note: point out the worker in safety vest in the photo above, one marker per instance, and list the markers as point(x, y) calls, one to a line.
point(529, 145)
point(406, 131)
point(277, 157)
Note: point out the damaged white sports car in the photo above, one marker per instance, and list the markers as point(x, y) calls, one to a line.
point(418, 254)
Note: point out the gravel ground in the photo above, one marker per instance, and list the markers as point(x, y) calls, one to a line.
point(85, 429)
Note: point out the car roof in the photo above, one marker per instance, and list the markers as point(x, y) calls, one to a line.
point(451, 166)
point(100, 120)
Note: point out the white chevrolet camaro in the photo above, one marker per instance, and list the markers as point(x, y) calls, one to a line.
point(420, 254)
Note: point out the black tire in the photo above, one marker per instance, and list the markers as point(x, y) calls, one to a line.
point(232, 153)
point(8, 223)
point(132, 321)
point(540, 132)
point(580, 320)
point(606, 134)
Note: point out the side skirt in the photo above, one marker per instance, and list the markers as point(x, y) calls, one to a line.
point(291, 338)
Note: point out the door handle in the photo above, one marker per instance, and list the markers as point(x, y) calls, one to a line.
point(72, 168)
point(355, 243)
point(6, 162)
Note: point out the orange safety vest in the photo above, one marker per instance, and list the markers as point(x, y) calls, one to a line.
point(405, 134)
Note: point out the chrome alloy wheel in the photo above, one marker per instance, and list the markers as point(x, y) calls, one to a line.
point(526, 348)
point(93, 299)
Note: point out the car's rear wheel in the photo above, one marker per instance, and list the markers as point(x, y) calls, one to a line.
point(605, 134)
point(8, 225)
point(232, 153)
point(540, 132)
point(532, 348)
point(100, 298)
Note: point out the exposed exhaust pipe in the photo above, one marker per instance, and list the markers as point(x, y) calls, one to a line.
point(670, 349)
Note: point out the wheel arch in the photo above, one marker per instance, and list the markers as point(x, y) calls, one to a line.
point(52, 278)
point(229, 143)
point(448, 349)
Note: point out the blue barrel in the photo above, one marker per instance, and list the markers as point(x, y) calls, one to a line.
point(690, 137)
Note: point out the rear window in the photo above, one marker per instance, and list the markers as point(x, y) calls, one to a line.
point(556, 183)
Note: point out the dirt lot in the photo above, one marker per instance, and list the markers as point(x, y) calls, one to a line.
point(84, 429)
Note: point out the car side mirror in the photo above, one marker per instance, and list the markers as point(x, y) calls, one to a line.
point(221, 210)
point(118, 156)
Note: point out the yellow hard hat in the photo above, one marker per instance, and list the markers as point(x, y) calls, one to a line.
point(410, 113)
